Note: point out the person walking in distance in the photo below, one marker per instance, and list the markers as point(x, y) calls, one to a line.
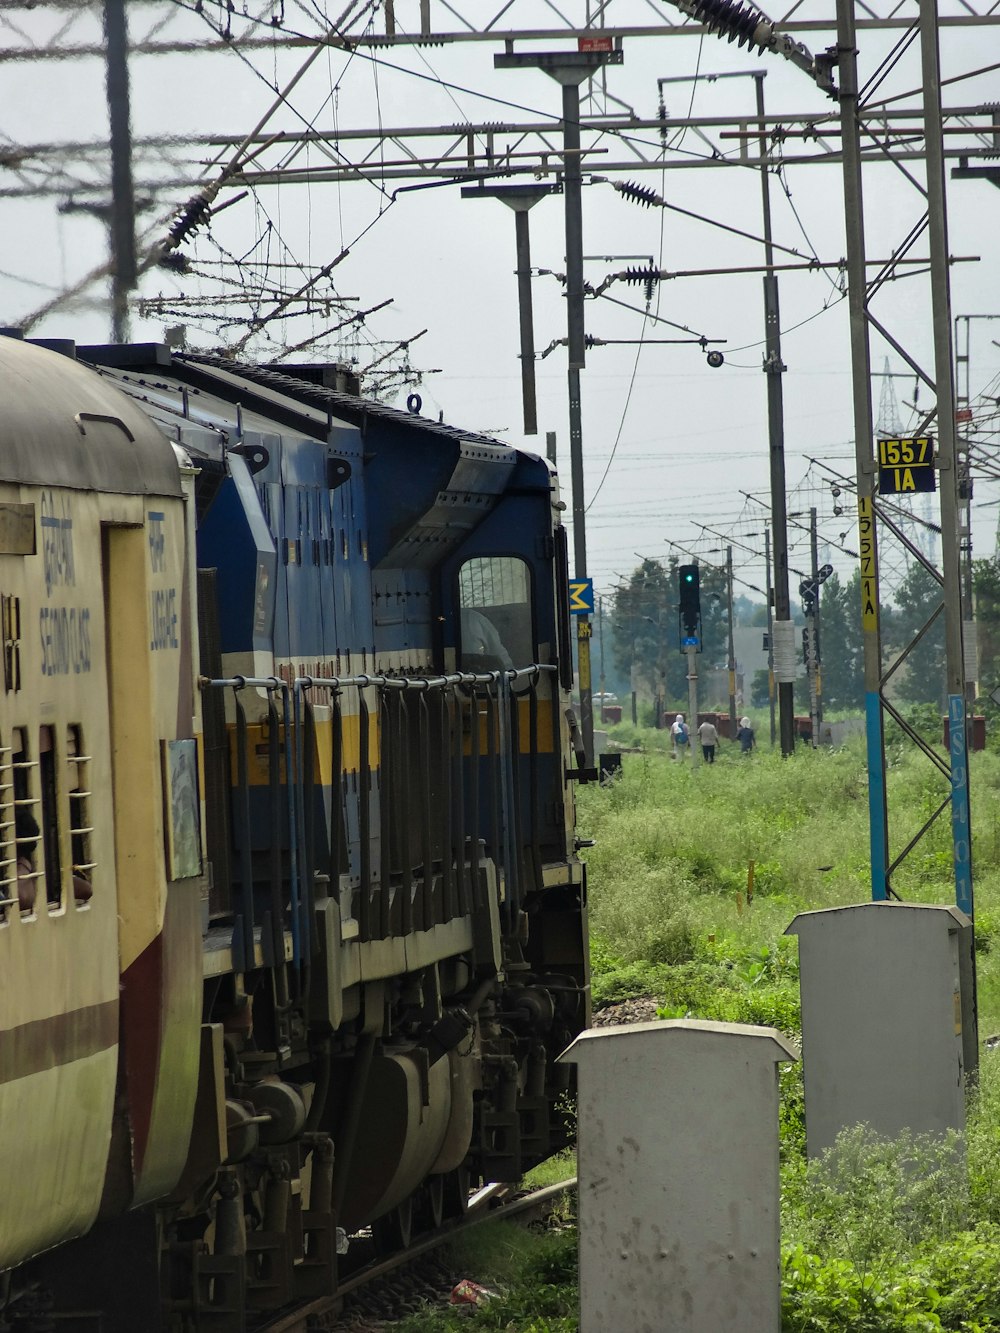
point(745, 736)
point(709, 738)
point(679, 736)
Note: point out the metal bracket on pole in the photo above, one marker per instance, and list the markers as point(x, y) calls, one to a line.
point(520, 198)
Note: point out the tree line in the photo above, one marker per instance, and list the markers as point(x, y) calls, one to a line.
point(642, 633)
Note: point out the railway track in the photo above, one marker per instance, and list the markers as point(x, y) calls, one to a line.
point(487, 1205)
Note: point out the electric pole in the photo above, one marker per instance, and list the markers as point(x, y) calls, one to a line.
point(770, 628)
point(121, 221)
point(569, 69)
point(818, 580)
point(731, 662)
point(810, 635)
point(774, 368)
point(857, 299)
point(937, 226)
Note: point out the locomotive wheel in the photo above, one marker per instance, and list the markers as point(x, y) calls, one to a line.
point(394, 1230)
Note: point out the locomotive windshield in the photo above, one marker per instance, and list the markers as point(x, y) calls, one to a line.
point(495, 600)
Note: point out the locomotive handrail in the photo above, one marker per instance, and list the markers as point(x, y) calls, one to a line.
point(275, 685)
point(242, 682)
point(364, 681)
point(504, 798)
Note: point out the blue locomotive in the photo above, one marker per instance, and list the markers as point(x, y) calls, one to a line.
point(292, 923)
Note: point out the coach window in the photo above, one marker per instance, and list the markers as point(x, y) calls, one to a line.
point(80, 829)
point(48, 781)
point(494, 594)
point(27, 830)
point(8, 853)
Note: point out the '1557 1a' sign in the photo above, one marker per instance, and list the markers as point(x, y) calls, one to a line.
point(906, 466)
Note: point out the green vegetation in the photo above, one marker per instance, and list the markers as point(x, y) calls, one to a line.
point(533, 1273)
point(674, 845)
point(876, 1236)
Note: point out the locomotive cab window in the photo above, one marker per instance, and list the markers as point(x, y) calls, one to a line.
point(494, 595)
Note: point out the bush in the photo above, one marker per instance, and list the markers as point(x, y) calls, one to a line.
point(854, 1222)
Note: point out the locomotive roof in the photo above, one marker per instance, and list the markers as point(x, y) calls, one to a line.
point(270, 391)
point(61, 425)
point(349, 407)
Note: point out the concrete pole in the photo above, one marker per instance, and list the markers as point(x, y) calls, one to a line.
point(632, 669)
point(520, 199)
point(122, 217)
point(947, 454)
point(572, 197)
point(523, 240)
point(814, 551)
point(732, 650)
point(774, 368)
point(770, 628)
point(692, 675)
point(812, 638)
point(863, 436)
point(600, 630)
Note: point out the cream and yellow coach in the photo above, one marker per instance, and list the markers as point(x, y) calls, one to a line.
point(100, 831)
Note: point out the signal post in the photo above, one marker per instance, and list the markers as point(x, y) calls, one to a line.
point(689, 613)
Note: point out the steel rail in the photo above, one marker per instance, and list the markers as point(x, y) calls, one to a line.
point(479, 1211)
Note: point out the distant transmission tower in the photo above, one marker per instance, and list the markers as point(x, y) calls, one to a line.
point(889, 421)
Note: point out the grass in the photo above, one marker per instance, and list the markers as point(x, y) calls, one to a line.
point(533, 1273)
point(674, 843)
point(876, 1236)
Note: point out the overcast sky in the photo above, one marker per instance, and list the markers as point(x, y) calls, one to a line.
point(686, 439)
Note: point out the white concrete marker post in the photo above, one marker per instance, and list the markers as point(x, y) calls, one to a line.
point(888, 1025)
point(678, 1177)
